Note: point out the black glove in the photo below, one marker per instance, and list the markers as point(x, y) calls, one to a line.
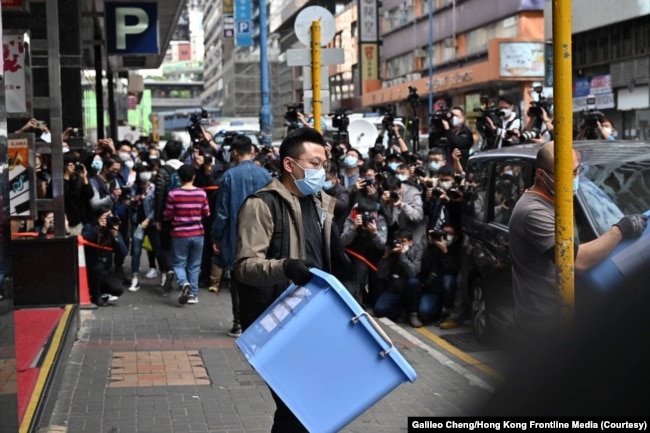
point(632, 226)
point(298, 270)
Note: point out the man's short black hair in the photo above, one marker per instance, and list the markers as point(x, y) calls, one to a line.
point(242, 144)
point(446, 170)
point(436, 151)
point(173, 149)
point(186, 172)
point(292, 144)
point(366, 204)
point(403, 234)
point(507, 98)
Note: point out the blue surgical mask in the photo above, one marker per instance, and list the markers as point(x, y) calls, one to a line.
point(328, 185)
point(350, 161)
point(393, 165)
point(402, 177)
point(576, 184)
point(313, 181)
point(434, 165)
point(97, 165)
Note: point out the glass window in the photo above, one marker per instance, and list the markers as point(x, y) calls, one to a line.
point(511, 178)
point(476, 184)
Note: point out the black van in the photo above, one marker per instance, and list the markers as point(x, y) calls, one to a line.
point(615, 181)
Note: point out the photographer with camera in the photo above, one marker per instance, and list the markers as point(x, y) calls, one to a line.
point(504, 131)
point(399, 270)
point(401, 204)
point(539, 126)
point(440, 267)
point(341, 194)
point(102, 240)
point(458, 135)
point(604, 130)
point(364, 236)
point(366, 185)
point(443, 202)
point(77, 193)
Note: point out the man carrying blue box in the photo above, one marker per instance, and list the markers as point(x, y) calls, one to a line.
point(283, 230)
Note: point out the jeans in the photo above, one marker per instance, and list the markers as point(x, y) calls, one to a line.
point(391, 304)
point(136, 252)
point(429, 307)
point(448, 290)
point(187, 253)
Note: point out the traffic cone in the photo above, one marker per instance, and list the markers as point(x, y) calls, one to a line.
point(84, 292)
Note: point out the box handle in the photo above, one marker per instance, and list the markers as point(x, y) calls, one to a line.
point(380, 331)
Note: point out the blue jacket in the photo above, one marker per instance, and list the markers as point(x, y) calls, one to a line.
point(236, 184)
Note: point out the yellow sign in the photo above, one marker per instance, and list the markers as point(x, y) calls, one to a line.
point(370, 61)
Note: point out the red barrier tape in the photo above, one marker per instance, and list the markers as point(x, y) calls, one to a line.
point(362, 258)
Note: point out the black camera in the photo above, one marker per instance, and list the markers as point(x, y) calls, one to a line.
point(389, 117)
point(291, 114)
point(436, 234)
point(420, 171)
point(369, 181)
point(591, 117)
point(113, 222)
point(208, 160)
point(394, 196)
point(455, 194)
point(437, 192)
point(413, 99)
point(395, 244)
point(367, 218)
point(195, 129)
point(493, 113)
point(340, 119)
point(78, 167)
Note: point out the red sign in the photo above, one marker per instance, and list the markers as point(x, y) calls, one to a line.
point(12, 3)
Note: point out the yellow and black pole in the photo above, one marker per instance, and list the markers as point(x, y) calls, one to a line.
point(315, 73)
point(563, 130)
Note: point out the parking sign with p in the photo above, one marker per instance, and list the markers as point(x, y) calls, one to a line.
point(131, 28)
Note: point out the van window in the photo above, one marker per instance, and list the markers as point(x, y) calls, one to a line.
point(511, 178)
point(476, 184)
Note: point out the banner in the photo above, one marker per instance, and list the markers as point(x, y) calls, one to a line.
point(22, 191)
point(13, 53)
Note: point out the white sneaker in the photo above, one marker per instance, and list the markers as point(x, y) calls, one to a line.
point(109, 298)
point(151, 273)
point(163, 278)
point(135, 285)
point(192, 300)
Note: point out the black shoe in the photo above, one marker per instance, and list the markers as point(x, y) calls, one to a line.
point(235, 331)
point(185, 294)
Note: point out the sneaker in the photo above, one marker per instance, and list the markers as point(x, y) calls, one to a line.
point(415, 321)
point(168, 285)
point(235, 331)
point(214, 286)
point(163, 279)
point(151, 273)
point(185, 294)
point(135, 285)
point(450, 324)
point(192, 300)
point(109, 298)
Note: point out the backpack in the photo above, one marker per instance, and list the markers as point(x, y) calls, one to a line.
point(174, 179)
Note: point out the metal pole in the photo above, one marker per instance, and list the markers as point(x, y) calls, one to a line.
point(430, 56)
point(266, 115)
point(563, 123)
point(315, 72)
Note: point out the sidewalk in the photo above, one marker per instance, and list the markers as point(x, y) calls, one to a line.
point(149, 365)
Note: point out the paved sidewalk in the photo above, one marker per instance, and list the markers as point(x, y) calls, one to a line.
point(149, 365)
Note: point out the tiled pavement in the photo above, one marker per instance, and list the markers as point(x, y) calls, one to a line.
point(149, 365)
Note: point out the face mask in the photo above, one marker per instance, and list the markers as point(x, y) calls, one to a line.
point(145, 176)
point(506, 112)
point(551, 188)
point(608, 130)
point(328, 185)
point(405, 248)
point(449, 239)
point(576, 185)
point(130, 163)
point(456, 121)
point(402, 177)
point(111, 175)
point(154, 159)
point(124, 156)
point(434, 165)
point(393, 165)
point(225, 152)
point(446, 185)
point(97, 165)
point(350, 161)
point(509, 172)
point(313, 181)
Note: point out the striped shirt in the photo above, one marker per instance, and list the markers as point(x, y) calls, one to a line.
point(186, 208)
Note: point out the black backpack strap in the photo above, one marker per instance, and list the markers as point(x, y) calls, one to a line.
point(279, 246)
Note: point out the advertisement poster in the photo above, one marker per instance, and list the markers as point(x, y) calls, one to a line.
point(521, 59)
point(13, 53)
point(22, 191)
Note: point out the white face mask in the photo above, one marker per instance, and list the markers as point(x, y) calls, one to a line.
point(506, 111)
point(608, 130)
point(446, 185)
point(145, 176)
point(124, 156)
point(130, 163)
point(456, 121)
point(405, 248)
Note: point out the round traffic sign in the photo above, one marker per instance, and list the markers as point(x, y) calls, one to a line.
point(304, 20)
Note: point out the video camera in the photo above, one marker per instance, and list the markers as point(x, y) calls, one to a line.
point(340, 119)
point(195, 129)
point(537, 115)
point(591, 117)
point(291, 115)
point(389, 118)
point(413, 99)
point(494, 113)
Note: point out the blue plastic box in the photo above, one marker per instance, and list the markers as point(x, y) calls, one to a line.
point(323, 355)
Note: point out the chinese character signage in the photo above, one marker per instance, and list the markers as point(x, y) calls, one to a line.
point(521, 59)
point(13, 53)
point(369, 62)
point(368, 21)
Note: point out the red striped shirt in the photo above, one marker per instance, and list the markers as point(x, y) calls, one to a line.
point(186, 208)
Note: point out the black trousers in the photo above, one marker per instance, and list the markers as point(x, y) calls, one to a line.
point(284, 421)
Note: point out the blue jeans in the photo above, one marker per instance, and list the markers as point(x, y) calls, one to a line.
point(187, 253)
point(391, 304)
point(448, 290)
point(429, 307)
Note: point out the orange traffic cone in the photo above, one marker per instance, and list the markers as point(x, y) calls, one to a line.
point(84, 292)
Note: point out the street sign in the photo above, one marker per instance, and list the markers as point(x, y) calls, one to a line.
point(306, 17)
point(244, 27)
point(243, 23)
point(131, 28)
point(302, 56)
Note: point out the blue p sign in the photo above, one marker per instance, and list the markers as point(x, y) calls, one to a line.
point(131, 28)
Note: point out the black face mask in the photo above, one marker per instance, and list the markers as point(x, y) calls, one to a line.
point(111, 175)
